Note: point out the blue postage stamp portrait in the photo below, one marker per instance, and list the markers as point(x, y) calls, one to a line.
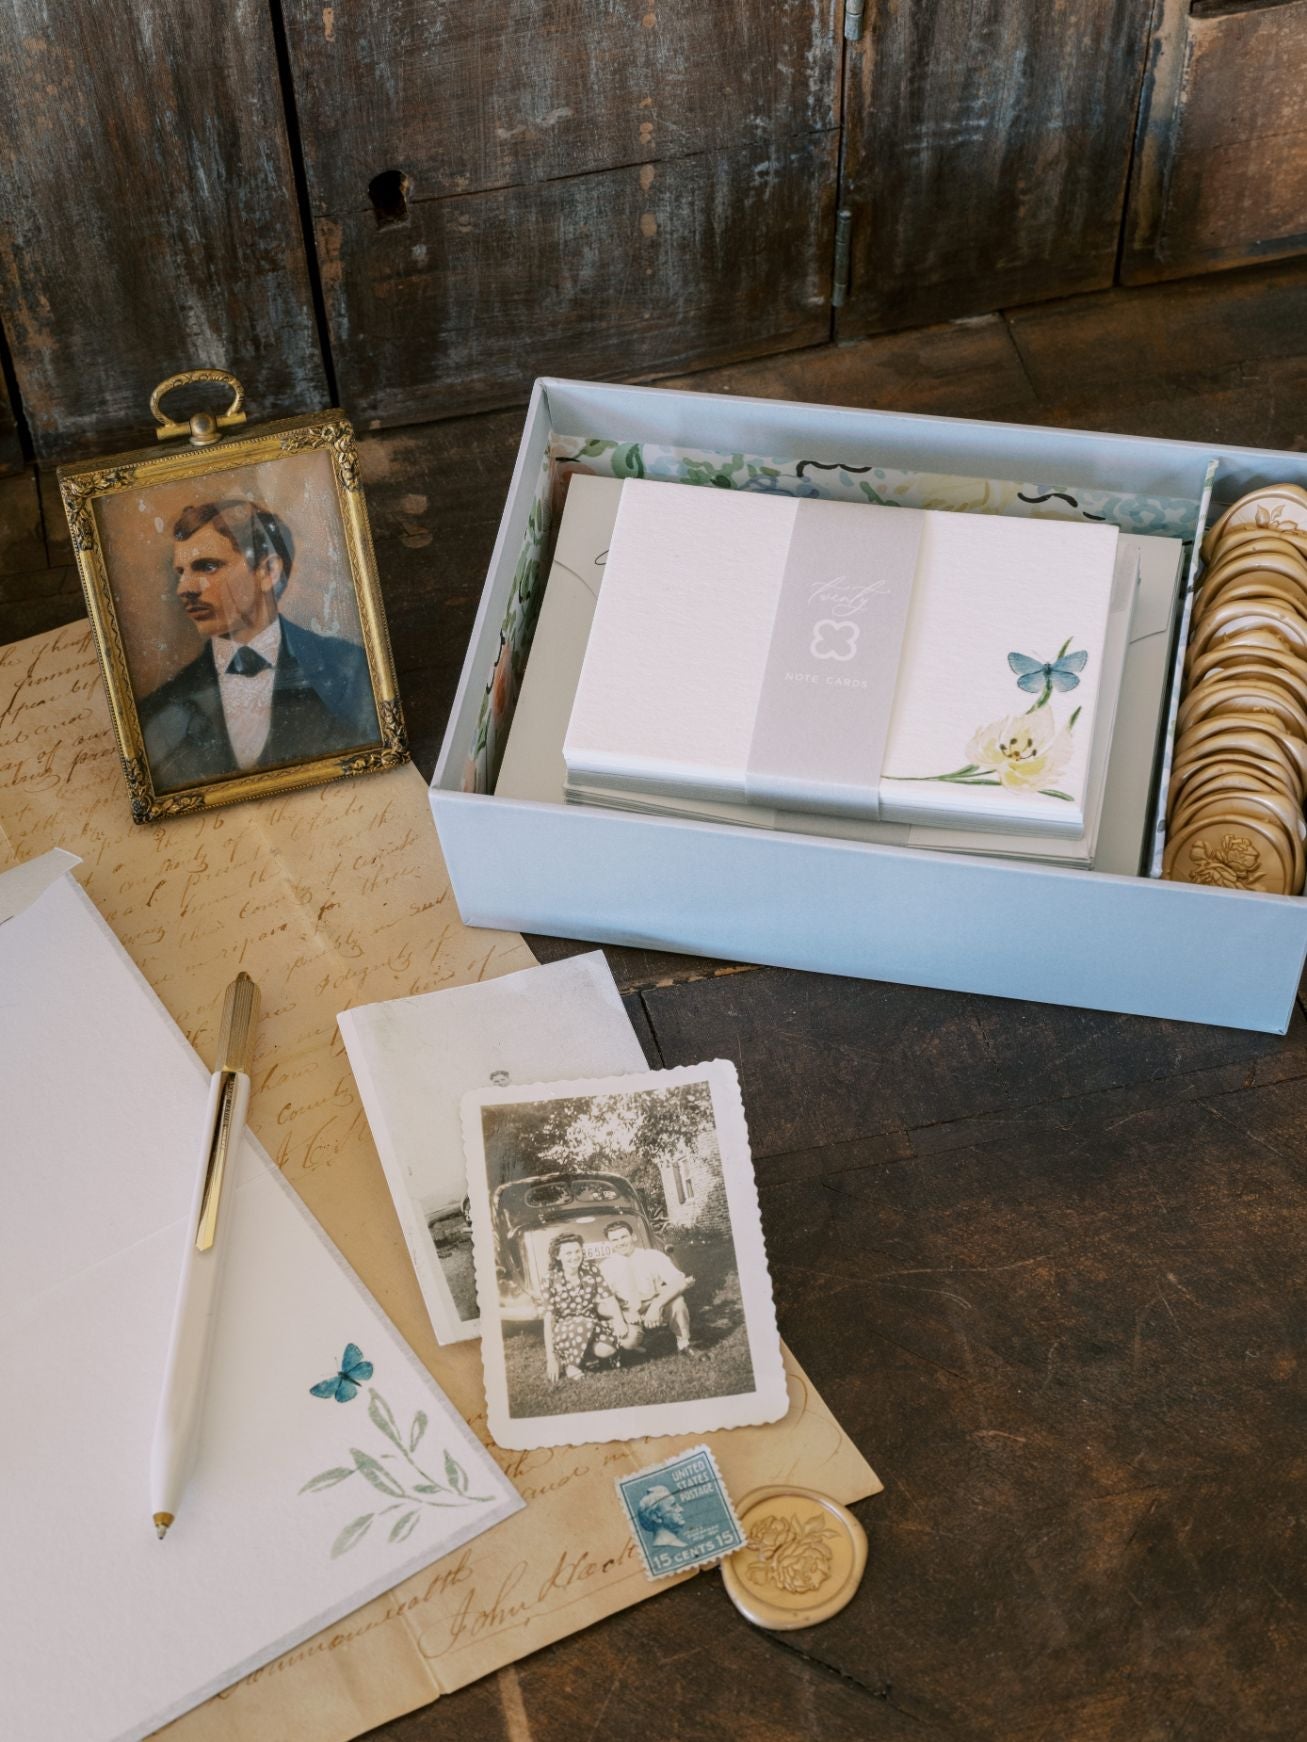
point(680, 1513)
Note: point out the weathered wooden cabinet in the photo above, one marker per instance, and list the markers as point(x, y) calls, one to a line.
point(1221, 171)
point(593, 188)
point(417, 206)
point(148, 215)
point(986, 155)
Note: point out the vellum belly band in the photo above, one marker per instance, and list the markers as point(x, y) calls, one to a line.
point(827, 695)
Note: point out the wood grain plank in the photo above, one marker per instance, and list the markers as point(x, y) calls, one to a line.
point(962, 369)
point(611, 274)
point(39, 600)
point(1074, 1366)
point(1221, 359)
point(1257, 405)
point(54, 522)
point(22, 546)
point(1221, 172)
point(147, 215)
point(640, 1023)
point(12, 457)
point(581, 189)
point(987, 147)
point(463, 99)
point(38, 591)
point(1090, 348)
point(434, 500)
point(825, 1060)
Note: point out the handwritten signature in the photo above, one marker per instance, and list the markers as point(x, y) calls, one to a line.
point(841, 595)
point(517, 1601)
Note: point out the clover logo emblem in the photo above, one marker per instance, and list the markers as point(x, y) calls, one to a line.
point(834, 638)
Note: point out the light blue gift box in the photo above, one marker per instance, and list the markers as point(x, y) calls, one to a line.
point(1134, 944)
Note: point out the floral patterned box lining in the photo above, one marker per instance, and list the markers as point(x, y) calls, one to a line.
point(1160, 516)
point(1176, 679)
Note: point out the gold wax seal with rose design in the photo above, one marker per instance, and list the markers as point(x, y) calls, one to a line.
point(804, 1558)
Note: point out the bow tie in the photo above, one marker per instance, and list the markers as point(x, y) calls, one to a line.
point(247, 662)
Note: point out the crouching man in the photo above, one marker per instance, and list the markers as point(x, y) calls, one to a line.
point(648, 1288)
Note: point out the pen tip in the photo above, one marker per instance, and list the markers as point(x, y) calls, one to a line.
point(161, 1522)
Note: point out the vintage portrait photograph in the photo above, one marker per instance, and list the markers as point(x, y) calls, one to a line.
point(449, 1227)
point(619, 1259)
point(239, 619)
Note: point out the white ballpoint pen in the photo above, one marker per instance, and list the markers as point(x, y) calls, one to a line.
point(181, 1404)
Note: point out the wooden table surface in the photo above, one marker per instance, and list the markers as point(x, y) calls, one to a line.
point(1046, 1265)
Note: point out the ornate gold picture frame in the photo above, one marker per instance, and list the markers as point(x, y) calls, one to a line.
point(233, 597)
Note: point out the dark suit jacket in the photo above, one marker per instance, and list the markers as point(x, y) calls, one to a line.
point(321, 704)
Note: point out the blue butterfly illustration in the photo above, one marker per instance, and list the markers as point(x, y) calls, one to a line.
point(354, 1370)
point(1034, 675)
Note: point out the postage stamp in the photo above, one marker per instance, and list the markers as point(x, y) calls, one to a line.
point(680, 1513)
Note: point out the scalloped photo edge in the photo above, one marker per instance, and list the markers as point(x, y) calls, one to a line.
point(570, 1358)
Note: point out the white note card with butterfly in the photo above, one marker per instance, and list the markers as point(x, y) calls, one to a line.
point(1002, 678)
point(330, 1465)
point(934, 668)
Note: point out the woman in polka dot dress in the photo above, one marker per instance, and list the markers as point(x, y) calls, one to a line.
point(574, 1322)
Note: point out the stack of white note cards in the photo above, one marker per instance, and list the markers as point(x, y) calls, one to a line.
point(533, 768)
point(891, 665)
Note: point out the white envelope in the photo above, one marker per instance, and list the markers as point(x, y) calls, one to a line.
point(300, 1507)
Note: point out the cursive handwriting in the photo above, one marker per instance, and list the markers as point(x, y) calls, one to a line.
point(331, 897)
point(844, 596)
point(517, 1598)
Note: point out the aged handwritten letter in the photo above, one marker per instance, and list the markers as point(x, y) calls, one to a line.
point(330, 898)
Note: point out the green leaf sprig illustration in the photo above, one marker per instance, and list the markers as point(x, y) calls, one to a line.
point(397, 1486)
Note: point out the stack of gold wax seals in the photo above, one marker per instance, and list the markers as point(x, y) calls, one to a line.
point(1239, 775)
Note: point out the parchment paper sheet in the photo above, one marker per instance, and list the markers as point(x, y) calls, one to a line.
point(329, 898)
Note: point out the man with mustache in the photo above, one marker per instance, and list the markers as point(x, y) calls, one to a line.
point(264, 691)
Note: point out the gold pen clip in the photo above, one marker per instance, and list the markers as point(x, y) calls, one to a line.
point(235, 1052)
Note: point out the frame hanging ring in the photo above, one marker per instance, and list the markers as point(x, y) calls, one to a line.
point(204, 427)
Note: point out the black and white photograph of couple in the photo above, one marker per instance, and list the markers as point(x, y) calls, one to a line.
point(596, 1306)
point(623, 1277)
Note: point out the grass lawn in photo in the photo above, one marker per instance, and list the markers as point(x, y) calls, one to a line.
point(655, 1373)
